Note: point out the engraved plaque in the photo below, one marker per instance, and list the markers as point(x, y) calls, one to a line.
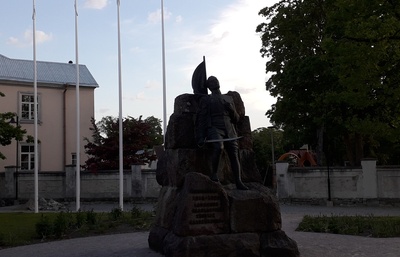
point(202, 208)
point(206, 208)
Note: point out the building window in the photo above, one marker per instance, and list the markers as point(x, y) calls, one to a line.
point(27, 106)
point(27, 157)
point(73, 158)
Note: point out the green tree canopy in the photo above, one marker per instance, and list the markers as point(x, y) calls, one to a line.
point(263, 141)
point(9, 131)
point(139, 138)
point(333, 66)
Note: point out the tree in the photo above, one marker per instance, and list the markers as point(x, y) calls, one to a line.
point(291, 39)
point(333, 72)
point(155, 132)
point(262, 146)
point(8, 131)
point(139, 138)
point(362, 45)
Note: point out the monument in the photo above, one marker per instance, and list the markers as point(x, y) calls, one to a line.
point(207, 206)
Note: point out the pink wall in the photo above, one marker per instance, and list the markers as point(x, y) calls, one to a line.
point(53, 152)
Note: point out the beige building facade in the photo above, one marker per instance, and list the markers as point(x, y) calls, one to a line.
point(57, 114)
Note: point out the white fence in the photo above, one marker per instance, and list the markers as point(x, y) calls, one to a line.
point(102, 185)
point(367, 183)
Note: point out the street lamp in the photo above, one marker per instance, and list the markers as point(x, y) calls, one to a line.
point(272, 144)
point(16, 122)
point(273, 157)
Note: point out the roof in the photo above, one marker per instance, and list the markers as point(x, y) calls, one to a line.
point(47, 72)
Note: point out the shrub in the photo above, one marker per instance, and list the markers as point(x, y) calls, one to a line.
point(44, 228)
point(80, 219)
point(135, 212)
point(91, 218)
point(62, 224)
point(116, 214)
point(352, 225)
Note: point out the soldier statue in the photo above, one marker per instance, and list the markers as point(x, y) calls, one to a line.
point(216, 119)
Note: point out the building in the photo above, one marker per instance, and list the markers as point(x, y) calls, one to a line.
point(56, 88)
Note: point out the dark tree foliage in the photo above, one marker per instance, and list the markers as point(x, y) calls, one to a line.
point(139, 138)
point(263, 139)
point(9, 131)
point(334, 73)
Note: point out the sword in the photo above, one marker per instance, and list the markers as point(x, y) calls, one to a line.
point(222, 140)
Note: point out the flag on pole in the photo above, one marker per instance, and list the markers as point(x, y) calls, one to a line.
point(78, 118)
point(36, 171)
point(199, 78)
point(121, 144)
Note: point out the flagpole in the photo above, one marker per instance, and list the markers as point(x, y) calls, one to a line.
point(163, 72)
point(78, 118)
point(36, 169)
point(121, 144)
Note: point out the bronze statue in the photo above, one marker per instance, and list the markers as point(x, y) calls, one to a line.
point(216, 121)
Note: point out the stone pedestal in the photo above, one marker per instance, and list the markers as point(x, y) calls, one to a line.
point(205, 218)
point(197, 217)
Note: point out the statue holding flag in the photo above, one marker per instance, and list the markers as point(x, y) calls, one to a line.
point(199, 211)
point(215, 124)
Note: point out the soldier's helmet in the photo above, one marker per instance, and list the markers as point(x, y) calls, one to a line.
point(212, 83)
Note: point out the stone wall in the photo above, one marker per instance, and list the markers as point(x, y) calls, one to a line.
point(2, 184)
point(367, 182)
point(388, 182)
point(137, 183)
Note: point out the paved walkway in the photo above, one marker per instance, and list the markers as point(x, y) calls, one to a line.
point(331, 245)
point(310, 244)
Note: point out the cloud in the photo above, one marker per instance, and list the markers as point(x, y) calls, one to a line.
point(13, 41)
point(135, 50)
point(103, 110)
point(130, 97)
point(27, 39)
point(141, 96)
point(41, 36)
point(178, 19)
point(150, 84)
point(231, 47)
point(155, 17)
point(246, 89)
point(95, 4)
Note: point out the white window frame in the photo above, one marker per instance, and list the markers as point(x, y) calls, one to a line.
point(27, 158)
point(73, 158)
point(26, 108)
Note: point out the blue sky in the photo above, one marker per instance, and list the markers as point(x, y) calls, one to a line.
point(221, 30)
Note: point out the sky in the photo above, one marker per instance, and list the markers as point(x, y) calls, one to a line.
point(221, 30)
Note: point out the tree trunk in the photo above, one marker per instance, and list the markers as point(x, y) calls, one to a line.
point(354, 148)
point(359, 148)
point(320, 146)
point(349, 152)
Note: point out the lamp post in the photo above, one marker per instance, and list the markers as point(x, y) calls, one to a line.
point(273, 157)
point(272, 144)
point(16, 122)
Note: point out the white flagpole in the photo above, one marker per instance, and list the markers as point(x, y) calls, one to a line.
point(164, 76)
point(78, 118)
point(121, 144)
point(36, 175)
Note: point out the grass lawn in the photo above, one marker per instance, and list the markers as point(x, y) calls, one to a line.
point(17, 228)
point(28, 228)
point(371, 226)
